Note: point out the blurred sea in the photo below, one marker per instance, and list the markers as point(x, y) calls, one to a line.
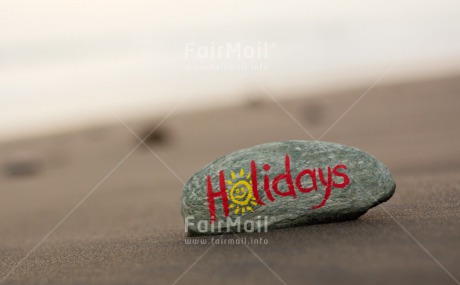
point(66, 64)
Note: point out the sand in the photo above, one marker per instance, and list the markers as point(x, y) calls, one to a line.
point(129, 230)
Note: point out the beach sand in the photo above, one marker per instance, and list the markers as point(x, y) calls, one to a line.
point(121, 210)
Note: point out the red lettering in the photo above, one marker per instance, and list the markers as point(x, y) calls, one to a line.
point(288, 177)
point(327, 181)
point(213, 195)
point(328, 185)
point(346, 180)
point(255, 189)
point(298, 181)
point(267, 188)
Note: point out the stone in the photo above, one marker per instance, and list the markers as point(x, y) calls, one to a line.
point(283, 184)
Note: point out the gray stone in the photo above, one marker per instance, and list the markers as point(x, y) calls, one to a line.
point(348, 183)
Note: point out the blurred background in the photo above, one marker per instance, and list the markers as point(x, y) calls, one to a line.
point(65, 65)
point(82, 201)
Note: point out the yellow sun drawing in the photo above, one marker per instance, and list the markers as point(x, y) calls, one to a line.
point(241, 194)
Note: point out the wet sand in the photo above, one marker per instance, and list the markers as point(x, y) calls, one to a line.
point(130, 231)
